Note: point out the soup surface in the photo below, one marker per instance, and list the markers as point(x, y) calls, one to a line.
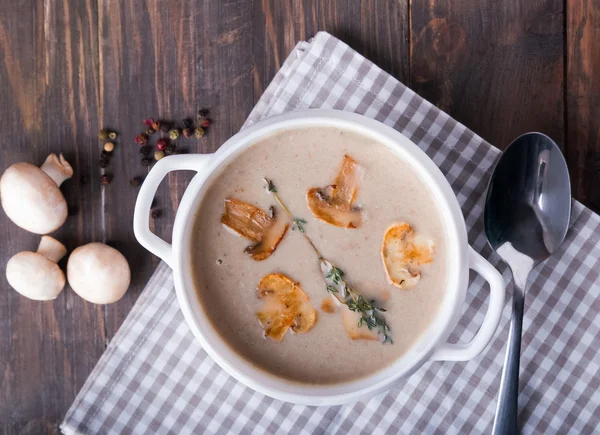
point(226, 277)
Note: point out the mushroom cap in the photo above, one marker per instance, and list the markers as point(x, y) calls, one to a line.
point(98, 273)
point(34, 276)
point(31, 199)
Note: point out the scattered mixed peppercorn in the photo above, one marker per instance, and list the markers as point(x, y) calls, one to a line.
point(164, 146)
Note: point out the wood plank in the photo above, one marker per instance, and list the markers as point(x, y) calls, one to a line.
point(496, 67)
point(583, 99)
point(166, 62)
point(48, 100)
point(374, 28)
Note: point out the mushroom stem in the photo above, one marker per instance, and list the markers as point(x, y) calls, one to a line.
point(57, 169)
point(51, 248)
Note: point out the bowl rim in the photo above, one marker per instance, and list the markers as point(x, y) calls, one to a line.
point(259, 379)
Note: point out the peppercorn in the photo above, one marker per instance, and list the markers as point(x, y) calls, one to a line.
point(135, 181)
point(199, 132)
point(165, 127)
point(187, 123)
point(105, 154)
point(145, 151)
point(150, 132)
point(162, 144)
point(104, 162)
point(155, 213)
point(105, 179)
point(174, 134)
point(103, 134)
point(109, 147)
point(146, 161)
point(206, 122)
point(156, 125)
point(141, 139)
point(187, 132)
point(181, 151)
point(158, 155)
point(169, 150)
point(73, 210)
point(112, 135)
point(148, 122)
point(203, 112)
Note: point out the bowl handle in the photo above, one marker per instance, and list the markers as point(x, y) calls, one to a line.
point(468, 351)
point(141, 228)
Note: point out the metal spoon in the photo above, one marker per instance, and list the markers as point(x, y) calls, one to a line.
point(527, 212)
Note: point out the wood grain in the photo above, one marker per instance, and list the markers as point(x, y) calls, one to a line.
point(166, 62)
point(376, 29)
point(48, 100)
point(70, 68)
point(497, 67)
point(583, 99)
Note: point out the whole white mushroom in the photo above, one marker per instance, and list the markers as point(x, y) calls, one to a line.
point(31, 196)
point(98, 273)
point(35, 274)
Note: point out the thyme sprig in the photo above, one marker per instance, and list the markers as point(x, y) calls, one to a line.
point(298, 222)
point(370, 314)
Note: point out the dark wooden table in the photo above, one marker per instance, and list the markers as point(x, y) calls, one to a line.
point(69, 68)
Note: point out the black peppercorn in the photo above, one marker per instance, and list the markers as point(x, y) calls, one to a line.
point(104, 162)
point(135, 181)
point(146, 151)
point(165, 127)
point(105, 154)
point(146, 161)
point(169, 150)
point(187, 123)
point(203, 112)
point(150, 131)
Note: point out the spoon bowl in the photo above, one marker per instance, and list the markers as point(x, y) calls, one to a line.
point(526, 218)
point(529, 198)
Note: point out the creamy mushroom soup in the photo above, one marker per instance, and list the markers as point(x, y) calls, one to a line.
point(367, 214)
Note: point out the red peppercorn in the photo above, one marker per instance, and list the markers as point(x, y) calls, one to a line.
point(188, 132)
point(149, 122)
point(162, 144)
point(206, 122)
point(141, 139)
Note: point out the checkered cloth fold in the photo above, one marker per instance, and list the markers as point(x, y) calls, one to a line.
point(155, 378)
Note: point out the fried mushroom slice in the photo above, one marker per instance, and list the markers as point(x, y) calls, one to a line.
point(333, 204)
point(285, 306)
point(256, 225)
point(403, 253)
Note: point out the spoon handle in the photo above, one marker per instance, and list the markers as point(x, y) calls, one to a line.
point(505, 422)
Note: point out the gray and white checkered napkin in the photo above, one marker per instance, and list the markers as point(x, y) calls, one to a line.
point(155, 378)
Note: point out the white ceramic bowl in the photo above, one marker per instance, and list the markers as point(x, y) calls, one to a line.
point(431, 346)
